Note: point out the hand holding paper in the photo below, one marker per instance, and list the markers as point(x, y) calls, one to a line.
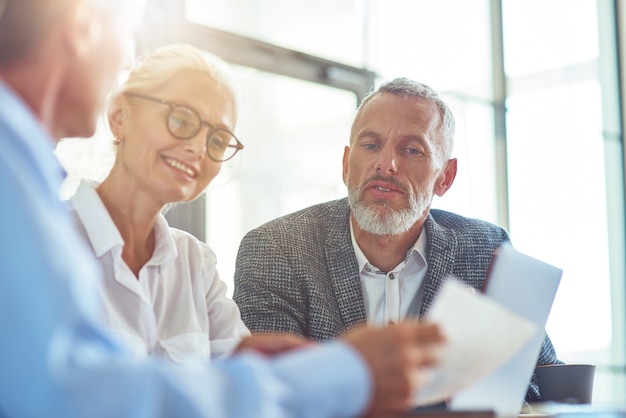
point(481, 336)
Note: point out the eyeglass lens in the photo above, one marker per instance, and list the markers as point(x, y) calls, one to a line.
point(184, 123)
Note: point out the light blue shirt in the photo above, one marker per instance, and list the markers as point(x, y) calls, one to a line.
point(54, 360)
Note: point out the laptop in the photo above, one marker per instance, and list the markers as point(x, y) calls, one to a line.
point(525, 286)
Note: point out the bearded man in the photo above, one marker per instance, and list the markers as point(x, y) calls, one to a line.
point(380, 255)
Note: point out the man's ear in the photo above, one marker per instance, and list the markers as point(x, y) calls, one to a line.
point(346, 156)
point(445, 180)
point(79, 26)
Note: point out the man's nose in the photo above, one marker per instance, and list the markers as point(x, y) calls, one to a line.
point(387, 160)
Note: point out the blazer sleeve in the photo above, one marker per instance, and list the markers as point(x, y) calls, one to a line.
point(269, 297)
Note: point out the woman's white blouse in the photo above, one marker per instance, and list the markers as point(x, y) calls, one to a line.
point(178, 305)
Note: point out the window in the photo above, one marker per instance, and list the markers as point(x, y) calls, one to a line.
point(557, 159)
point(294, 133)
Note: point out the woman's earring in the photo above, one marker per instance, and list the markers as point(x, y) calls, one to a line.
point(116, 141)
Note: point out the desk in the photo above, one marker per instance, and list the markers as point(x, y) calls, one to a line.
point(452, 414)
point(556, 411)
point(575, 411)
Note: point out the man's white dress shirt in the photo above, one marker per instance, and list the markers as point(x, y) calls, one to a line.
point(391, 296)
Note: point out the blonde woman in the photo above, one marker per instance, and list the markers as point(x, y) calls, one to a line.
point(173, 122)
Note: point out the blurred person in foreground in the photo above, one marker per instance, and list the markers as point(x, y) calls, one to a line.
point(58, 60)
point(381, 254)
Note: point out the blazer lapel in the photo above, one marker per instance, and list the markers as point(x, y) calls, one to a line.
point(344, 270)
point(442, 253)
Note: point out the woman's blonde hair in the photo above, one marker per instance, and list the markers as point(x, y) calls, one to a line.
point(157, 67)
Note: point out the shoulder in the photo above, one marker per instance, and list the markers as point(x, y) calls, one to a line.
point(195, 262)
point(317, 217)
point(191, 248)
point(464, 244)
point(449, 223)
point(308, 230)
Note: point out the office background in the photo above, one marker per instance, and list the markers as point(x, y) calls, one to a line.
point(537, 90)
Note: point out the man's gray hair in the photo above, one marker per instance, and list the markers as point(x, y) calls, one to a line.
point(405, 87)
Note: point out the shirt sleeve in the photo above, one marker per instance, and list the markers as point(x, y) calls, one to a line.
point(315, 383)
point(226, 328)
point(328, 380)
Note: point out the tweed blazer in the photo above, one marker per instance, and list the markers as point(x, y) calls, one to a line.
point(299, 274)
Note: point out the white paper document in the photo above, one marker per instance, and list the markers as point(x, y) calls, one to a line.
point(481, 335)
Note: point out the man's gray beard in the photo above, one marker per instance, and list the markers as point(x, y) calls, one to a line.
point(392, 222)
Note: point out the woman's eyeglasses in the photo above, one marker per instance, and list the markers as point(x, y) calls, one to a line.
point(184, 123)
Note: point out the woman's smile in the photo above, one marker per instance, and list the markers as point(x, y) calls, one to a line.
point(182, 167)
